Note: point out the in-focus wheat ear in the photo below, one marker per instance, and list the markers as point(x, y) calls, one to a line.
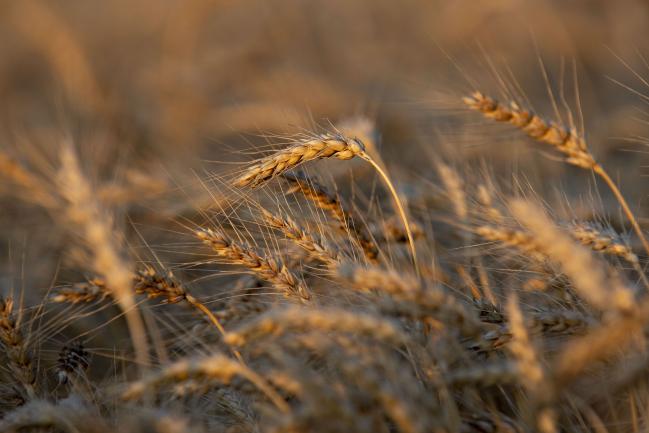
point(323, 146)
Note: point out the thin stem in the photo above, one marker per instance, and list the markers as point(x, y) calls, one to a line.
point(402, 212)
point(264, 387)
point(625, 207)
point(197, 304)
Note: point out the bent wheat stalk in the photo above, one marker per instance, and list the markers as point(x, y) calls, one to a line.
point(564, 140)
point(323, 146)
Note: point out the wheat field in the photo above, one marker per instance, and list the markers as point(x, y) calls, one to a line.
point(324, 216)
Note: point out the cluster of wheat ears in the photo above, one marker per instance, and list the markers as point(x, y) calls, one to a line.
point(294, 311)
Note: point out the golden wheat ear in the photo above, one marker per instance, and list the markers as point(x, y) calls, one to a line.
point(324, 146)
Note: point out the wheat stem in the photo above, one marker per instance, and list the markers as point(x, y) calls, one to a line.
point(397, 202)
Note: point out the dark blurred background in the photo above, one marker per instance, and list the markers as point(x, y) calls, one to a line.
point(152, 91)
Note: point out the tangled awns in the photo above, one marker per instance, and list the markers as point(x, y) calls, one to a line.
point(305, 279)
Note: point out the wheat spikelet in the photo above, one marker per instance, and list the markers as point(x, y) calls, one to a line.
point(601, 343)
point(11, 337)
point(323, 146)
point(218, 367)
point(454, 189)
point(414, 297)
point(73, 361)
point(522, 241)
point(597, 239)
point(484, 197)
point(149, 282)
point(266, 268)
point(302, 238)
point(279, 321)
point(375, 278)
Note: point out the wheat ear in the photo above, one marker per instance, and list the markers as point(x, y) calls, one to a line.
point(266, 268)
point(522, 241)
point(324, 146)
point(279, 321)
point(147, 281)
point(302, 238)
point(20, 362)
point(84, 210)
point(609, 243)
point(320, 147)
point(216, 366)
point(566, 141)
point(576, 261)
point(530, 370)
